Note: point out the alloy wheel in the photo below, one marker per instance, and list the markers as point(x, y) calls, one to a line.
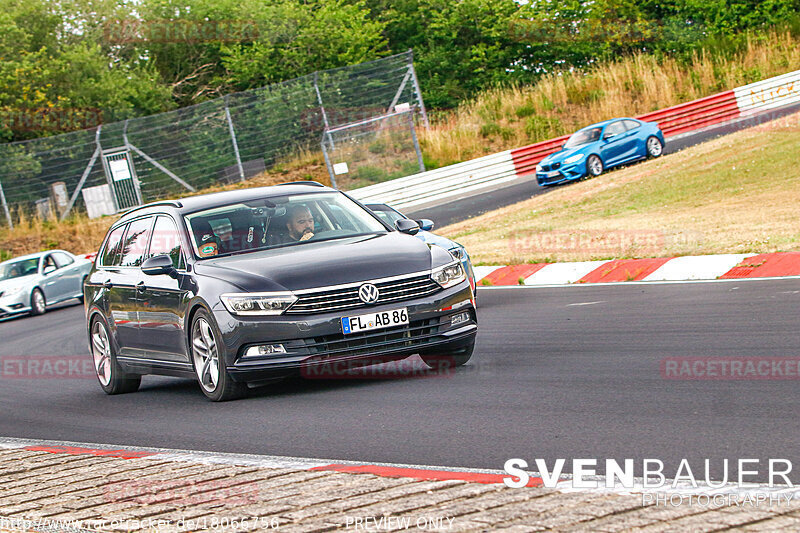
point(101, 351)
point(38, 302)
point(653, 147)
point(205, 355)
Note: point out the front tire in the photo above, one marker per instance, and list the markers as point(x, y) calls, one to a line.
point(38, 303)
point(111, 377)
point(654, 147)
point(208, 361)
point(594, 165)
point(449, 361)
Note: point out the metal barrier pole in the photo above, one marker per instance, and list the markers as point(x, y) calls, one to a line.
point(5, 207)
point(97, 151)
point(328, 164)
point(322, 107)
point(416, 141)
point(417, 90)
point(136, 186)
point(233, 140)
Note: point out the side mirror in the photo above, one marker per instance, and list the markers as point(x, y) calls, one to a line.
point(159, 265)
point(425, 224)
point(407, 226)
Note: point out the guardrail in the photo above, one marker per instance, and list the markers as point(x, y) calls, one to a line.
point(503, 167)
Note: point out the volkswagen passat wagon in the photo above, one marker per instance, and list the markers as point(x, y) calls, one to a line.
point(242, 287)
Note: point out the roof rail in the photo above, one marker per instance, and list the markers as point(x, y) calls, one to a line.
point(307, 182)
point(171, 203)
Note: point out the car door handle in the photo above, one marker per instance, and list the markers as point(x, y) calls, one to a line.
point(140, 287)
point(108, 284)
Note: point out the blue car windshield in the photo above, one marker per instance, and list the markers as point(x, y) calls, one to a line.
point(584, 136)
point(18, 269)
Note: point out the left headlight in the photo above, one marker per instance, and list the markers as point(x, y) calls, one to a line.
point(12, 291)
point(457, 252)
point(449, 275)
point(258, 303)
point(573, 159)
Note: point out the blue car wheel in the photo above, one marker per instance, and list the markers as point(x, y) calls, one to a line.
point(654, 147)
point(594, 165)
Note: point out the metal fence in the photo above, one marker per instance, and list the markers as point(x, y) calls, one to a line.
point(219, 141)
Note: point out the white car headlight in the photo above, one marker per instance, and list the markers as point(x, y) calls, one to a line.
point(573, 159)
point(449, 275)
point(457, 252)
point(12, 291)
point(258, 303)
point(539, 167)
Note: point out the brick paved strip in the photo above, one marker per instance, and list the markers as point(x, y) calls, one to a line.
point(140, 492)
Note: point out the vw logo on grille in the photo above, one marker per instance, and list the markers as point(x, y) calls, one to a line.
point(368, 293)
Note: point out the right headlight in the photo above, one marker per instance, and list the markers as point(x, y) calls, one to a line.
point(258, 303)
point(449, 275)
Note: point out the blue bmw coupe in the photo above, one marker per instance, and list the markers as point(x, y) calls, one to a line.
point(591, 150)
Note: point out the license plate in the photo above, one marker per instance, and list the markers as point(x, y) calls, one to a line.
point(384, 319)
point(552, 174)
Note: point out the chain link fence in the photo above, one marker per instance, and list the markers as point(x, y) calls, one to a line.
point(114, 166)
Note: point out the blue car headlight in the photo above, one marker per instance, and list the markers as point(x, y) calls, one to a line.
point(573, 159)
point(539, 167)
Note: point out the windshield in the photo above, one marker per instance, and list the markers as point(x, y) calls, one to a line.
point(584, 136)
point(390, 216)
point(18, 269)
point(276, 222)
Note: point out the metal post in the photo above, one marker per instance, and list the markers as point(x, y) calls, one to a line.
point(328, 164)
point(86, 172)
point(5, 207)
point(233, 140)
point(136, 187)
point(416, 141)
point(417, 90)
point(322, 107)
point(399, 91)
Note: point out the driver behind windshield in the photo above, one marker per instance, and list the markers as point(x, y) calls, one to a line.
point(300, 223)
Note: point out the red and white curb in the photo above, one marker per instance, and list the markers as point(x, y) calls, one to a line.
point(668, 269)
point(733, 492)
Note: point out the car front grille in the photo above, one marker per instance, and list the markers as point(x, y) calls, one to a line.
point(417, 333)
point(554, 166)
point(347, 298)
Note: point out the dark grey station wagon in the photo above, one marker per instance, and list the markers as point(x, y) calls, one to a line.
point(242, 287)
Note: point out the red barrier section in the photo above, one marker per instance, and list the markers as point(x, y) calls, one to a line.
point(694, 115)
point(624, 270)
point(510, 275)
point(421, 474)
point(70, 450)
point(526, 158)
point(766, 266)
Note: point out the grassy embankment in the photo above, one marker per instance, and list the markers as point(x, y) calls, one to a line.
point(735, 194)
point(502, 118)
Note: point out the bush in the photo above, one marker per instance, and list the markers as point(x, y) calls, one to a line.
point(525, 110)
point(490, 129)
point(539, 128)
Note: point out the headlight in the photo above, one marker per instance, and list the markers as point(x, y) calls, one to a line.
point(12, 291)
point(258, 303)
point(449, 275)
point(573, 159)
point(538, 167)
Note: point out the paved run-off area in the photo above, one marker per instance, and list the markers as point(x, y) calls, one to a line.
point(44, 491)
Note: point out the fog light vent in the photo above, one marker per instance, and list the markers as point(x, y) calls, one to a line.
point(265, 349)
point(460, 318)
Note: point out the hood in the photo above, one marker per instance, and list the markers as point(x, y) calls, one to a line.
point(320, 264)
point(16, 282)
point(563, 154)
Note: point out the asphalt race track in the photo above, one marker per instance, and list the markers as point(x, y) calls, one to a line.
point(452, 211)
point(567, 372)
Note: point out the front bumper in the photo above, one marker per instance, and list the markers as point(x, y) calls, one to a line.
point(14, 304)
point(563, 174)
point(312, 340)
